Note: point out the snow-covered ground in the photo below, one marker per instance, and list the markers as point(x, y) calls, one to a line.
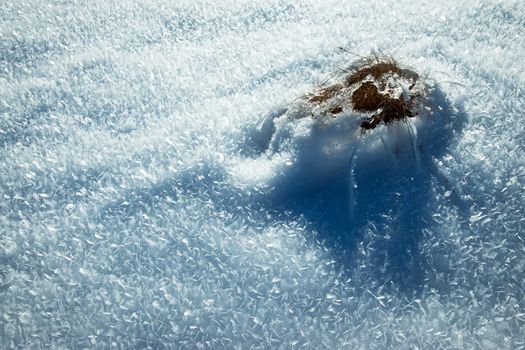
point(137, 212)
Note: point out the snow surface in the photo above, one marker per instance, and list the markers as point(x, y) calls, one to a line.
point(137, 211)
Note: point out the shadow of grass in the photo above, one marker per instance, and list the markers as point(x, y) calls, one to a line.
point(375, 215)
point(377, 212)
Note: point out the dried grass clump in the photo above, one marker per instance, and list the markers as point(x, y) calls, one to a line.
point(377, 86)
point(325, 93)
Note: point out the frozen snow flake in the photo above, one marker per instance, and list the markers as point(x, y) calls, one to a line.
point(330, 296)
point(26, 317)
point(84, 272)
point(30, 175)
point(477, 217)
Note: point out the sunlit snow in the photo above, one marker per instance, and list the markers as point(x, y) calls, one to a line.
point(139, 208)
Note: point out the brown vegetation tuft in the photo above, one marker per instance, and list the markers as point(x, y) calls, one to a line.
point(367, 98)
point(326, 93)
point(370, 87)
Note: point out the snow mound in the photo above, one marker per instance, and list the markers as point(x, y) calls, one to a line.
point(371, 113)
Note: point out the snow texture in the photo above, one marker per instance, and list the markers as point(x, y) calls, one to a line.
point(139, 208)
